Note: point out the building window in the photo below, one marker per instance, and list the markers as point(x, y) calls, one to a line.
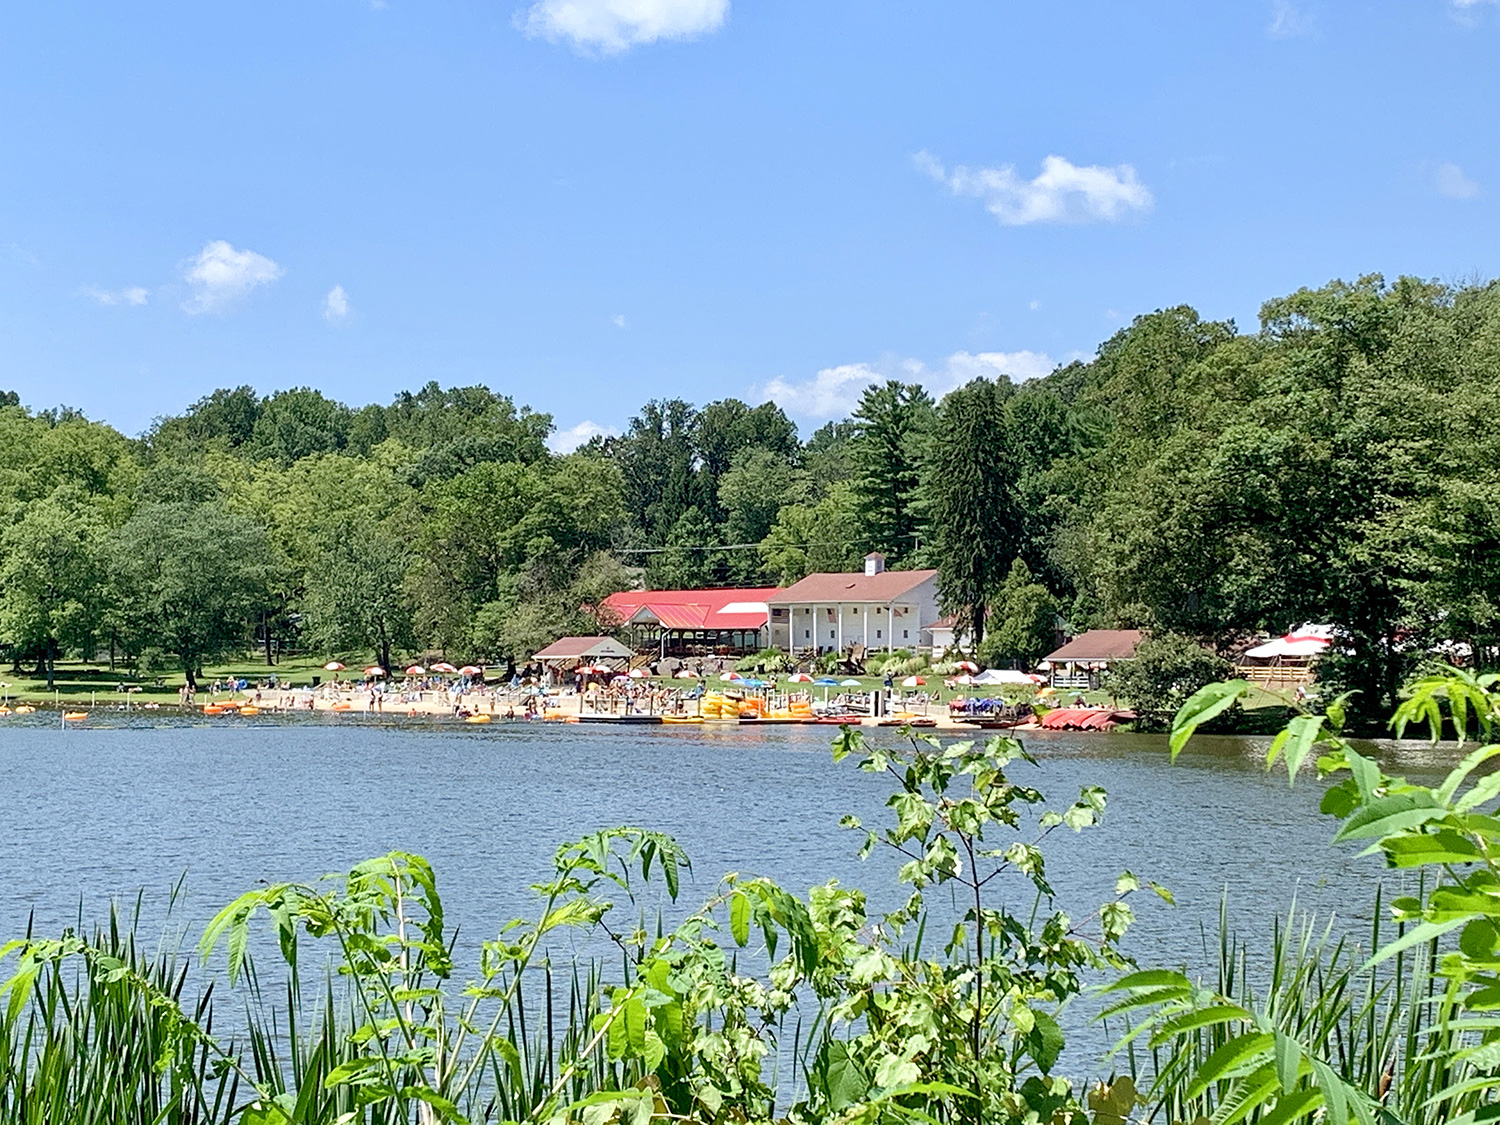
point(832, 635)
point(807, 634)
point(905, 633)
point(854, 610)
point(877, 634)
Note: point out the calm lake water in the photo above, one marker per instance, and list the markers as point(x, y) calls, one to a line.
point(97, 813)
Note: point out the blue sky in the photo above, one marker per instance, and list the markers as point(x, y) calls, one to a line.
point(588, 203)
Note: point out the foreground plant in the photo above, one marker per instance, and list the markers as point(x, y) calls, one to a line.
point(1279, 1062)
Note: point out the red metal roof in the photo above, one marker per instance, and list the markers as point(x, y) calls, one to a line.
point(726, 608)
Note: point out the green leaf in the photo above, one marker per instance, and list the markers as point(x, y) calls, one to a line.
point(1045, 1041)
point(1204, 704)
point(1297, 740)
point(1288, 1056)
point(739, 918)
point(1386, 816)
point(1239, 1054)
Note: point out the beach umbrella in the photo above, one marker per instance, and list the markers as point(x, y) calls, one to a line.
point(446, 668)
point(374, 670)
point(416, 670)
point(964, 680)
point(333, 666)
point(729, 677)
point(471, 670)
point(913, 681)
point(966, 666)
point(800, 678)
point(684, 674)
point(850, 683)
point(637, 674)
point(826, 681)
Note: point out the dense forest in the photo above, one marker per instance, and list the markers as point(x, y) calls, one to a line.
point(1339, 464)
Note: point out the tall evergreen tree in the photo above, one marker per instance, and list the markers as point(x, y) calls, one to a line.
point(971, 504)
point(893, 422)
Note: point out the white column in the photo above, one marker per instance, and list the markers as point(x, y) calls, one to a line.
point(840, 612)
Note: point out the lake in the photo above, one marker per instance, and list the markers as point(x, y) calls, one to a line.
point(98, 812)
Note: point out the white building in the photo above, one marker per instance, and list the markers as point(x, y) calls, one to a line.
point(879, 609)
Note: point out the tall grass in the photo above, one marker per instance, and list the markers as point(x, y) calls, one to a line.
point(1379, 1028)
point(96, 1040)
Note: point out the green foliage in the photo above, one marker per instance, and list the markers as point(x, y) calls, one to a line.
point(192, 580)
point(971, 501)
point(1167, 670)
point(770, 660)
point(1450, 1056)
point(893, 423)
point(1024, 621)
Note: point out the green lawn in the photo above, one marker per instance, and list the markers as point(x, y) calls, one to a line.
point(78, 683)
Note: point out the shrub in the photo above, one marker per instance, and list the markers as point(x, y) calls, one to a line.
point(1167, 669)
point(766, 660)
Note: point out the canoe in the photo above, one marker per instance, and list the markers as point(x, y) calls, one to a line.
point(76, 716)
point(4, 710)
point(249, 709)
point(25, 709)
point(342, 707)
point(682, 719)
point(212, 709)
point(477, 719)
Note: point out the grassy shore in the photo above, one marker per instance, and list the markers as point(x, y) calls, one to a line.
point(80, 683)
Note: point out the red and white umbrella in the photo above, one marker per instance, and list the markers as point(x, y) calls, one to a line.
point(416, 670)
point(374, 670)
point(637, 674)
point(800, 678)
point(595, 670)
point(684, 674)
point(333, 666)
point(446, 668)
point(729, 677)
point(964, 680)
point(471, 670)
point(966, 666)
point(913, 681)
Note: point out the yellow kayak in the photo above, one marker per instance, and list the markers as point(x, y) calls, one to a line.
point(683, 719)
point(477, 719)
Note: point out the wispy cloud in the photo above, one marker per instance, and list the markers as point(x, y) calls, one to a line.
point(1063, 192)
point(565, 441)
point(834, 392)
point(618, 320)
point(336, 304)
point(221, 275)
point(131, 295)
point(1451, 182)
point(612, 26)
point(1288, 21)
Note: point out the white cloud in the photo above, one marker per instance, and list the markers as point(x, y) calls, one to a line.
point(565, 441)
point(131, 295)
point(1062, 193)
point(1451, 182)
point(220, 275)
point(1287, 22)
point(336, 304)
point(618, 321)
point(1034, 305)
point(612, 26)
point(1472, 3)
point(834, 392)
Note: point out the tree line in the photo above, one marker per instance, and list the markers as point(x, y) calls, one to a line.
point(1336, 464)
